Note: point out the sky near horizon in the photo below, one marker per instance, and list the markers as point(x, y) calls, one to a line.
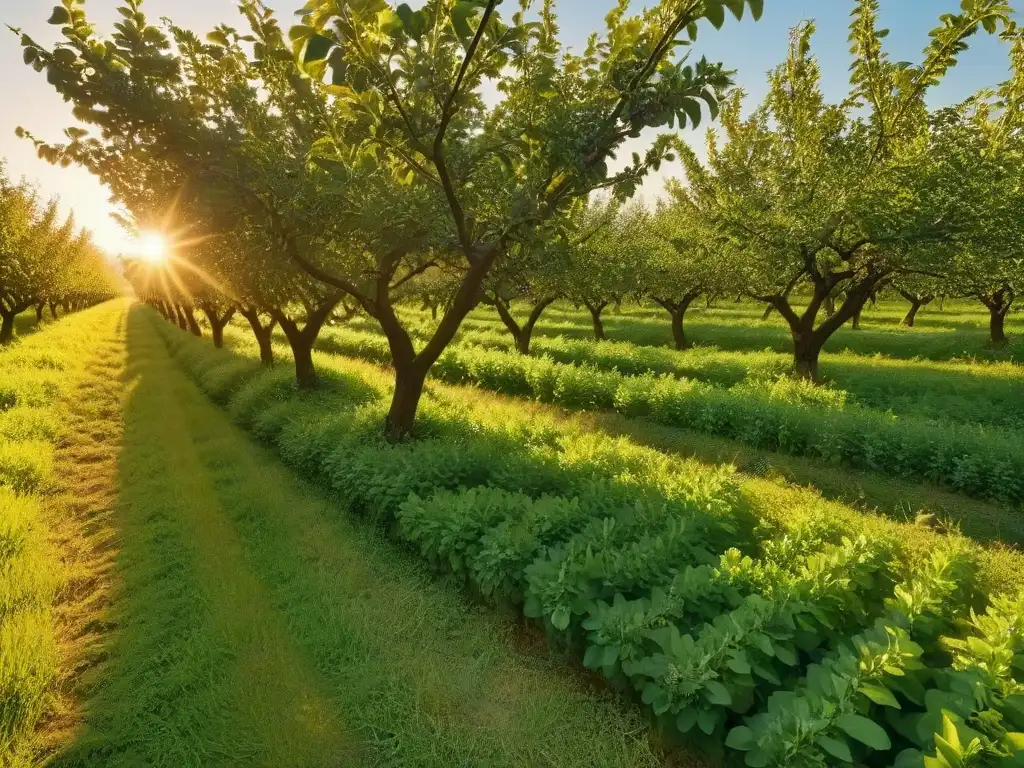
point(752, 49)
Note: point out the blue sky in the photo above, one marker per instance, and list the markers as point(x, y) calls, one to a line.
point(750, 48)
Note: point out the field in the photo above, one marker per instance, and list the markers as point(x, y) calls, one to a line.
point(203, 565)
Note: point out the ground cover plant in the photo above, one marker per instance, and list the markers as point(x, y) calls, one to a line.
point(37, 375)
point(774, 413)
point(710, 617)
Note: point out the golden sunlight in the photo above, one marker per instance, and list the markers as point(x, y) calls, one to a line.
point(151, 247)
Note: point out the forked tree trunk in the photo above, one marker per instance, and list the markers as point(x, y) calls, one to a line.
point(809, 340)
point(677, 310)
point(522, 334)
point(595, 317)
point(7, 326)
point(301, 340)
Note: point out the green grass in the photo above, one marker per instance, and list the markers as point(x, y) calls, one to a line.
point(37, 376)
point(523, 505)
point(256, 625)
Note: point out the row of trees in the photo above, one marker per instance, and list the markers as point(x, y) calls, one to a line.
point(44, 261)
point(353, 162)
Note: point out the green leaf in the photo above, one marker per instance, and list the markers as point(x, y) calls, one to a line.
point(741, 738)
point(317, 48)
point(560, 618)
point(880, 695)
point(692, 109)
point(736, 7)
point(59, 16)
point(460, 18)
point(686, 720)
point(715, 13)
point(412, 20)
point(835, 747)
point(707, 720)
point(865, 731)
point(717, 694)
point(390, 23)
point(756, 9)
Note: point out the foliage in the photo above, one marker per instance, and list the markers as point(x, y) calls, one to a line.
point(773, 414)
point(844, 196)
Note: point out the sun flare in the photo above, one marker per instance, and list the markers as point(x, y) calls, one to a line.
point(151, 247)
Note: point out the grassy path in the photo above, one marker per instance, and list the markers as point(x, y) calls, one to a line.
point(256, 626)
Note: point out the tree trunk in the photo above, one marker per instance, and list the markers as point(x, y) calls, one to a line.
point(997, 325)
point(678, 333)
point(908, 319)
point(7, 326)
point(830, 305)
point(998, 304)
point(305, 373)
point(66, 306)
point(433, 311)
point(53, 309)
point(524, 333)
point(856, 319)
point(409, 381)
point(806, 350)
point(217, 323)
point(263, 334)
point(942, 303)
point(263, 338)
point(188, 313)
point(677, 309)
point(39, 312)
point(301, 340)
point(595, 318)
point(767, 312)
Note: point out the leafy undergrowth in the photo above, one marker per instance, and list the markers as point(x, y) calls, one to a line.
point(779, 415)
point(37, 377)
point(960, 332)
point(257, 626)
point(803, 637)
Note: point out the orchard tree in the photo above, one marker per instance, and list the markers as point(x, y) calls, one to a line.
point(843, 197)
point(603, 257)
point(684, 258)
point(531, 276)
point(43, 260)
point(408, 93)
point(920, 291)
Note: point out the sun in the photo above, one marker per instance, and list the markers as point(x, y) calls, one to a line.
point(151, 247)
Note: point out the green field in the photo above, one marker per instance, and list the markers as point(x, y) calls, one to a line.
point(179, 592)
point(482, 384)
